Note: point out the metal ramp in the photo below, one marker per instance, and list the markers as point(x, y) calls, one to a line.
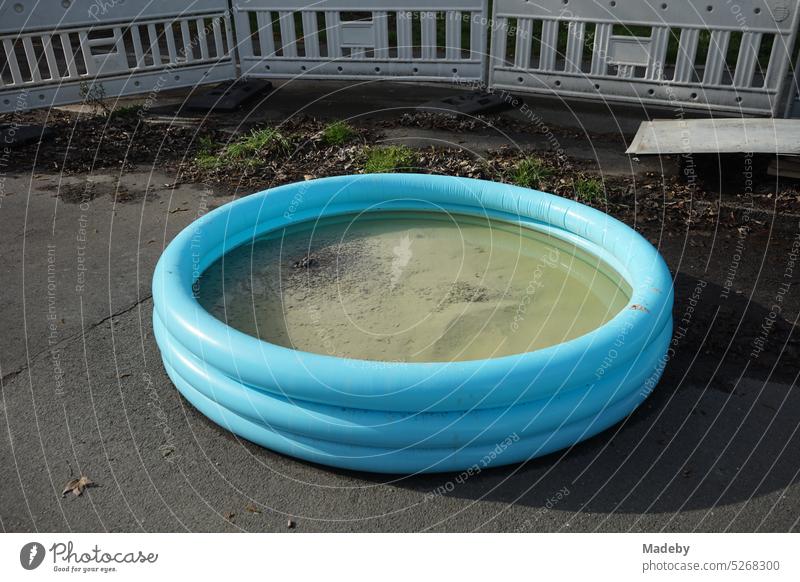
point(715, 136)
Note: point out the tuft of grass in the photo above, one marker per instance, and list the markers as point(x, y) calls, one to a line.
point(389, 159)
point(338, 133)
point(530, 172)
point(206, 157)
point(245, 151)
point(588, 190)
point(260, 141)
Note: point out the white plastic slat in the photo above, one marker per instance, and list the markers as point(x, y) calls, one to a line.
point(522, 50)
point(52, 64)
point(428, 35)
point(219, 45)
point(602, 34)
point(747, 59)
point(477, 38)
point(498, 42)
point(659, 40)
point(404, 42)
point(575, 39)
point(69, 55)
point(775, 71)
point(547, 54)
point(155, 50)
point(687, 52)
point(30, 55)
point(266, 42)
point(16, 75)
point(715, 61)
point(202, 38)
point(380, 21)
point(138, 51)
point(249, 45)
point(169, 33)
point(453, 34)
point(119, 44)
point(86, 53)
point(288, 36)
point(188, 50)
point(310, 34)
point(332, 31)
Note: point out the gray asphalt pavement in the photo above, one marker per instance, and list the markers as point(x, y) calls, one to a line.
point(716, 447)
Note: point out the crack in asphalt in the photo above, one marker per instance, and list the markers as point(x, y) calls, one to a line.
point(65, 341)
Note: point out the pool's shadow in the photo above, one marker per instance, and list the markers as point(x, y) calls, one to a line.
point(720, 428)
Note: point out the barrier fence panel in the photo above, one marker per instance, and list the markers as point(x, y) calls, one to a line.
point(793, 101)
point(411, 39)
point(58, 52)
point(729, 55)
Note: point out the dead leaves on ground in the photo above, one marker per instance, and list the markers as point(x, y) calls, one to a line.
point(77, 486)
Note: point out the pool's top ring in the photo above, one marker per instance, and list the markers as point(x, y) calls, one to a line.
point(441, 386)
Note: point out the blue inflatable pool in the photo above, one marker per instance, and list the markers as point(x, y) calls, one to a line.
point(412, 417)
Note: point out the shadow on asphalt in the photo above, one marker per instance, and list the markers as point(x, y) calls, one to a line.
point(720, 428)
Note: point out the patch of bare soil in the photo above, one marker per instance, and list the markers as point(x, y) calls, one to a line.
point(83, 143)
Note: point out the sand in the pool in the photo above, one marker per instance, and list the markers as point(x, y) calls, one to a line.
point(412, 287)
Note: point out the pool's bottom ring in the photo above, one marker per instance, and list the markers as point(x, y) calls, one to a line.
point(408, 418)
point(414, 442)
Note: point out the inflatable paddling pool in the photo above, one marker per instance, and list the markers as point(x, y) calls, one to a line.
point(412, 417)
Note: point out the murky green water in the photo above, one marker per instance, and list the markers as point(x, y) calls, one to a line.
point(412, 287)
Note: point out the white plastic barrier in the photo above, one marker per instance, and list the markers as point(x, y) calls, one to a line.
point(415, 39)
point(73, 48)
point(725, 55)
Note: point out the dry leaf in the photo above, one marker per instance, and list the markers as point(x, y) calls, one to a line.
point(252, 509)
point(76, 486)
point(229, 516)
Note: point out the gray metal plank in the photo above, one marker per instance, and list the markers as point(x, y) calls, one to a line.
point(706, 136)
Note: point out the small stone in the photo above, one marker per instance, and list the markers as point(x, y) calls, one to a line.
point(290, 524)
point(306, 262)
